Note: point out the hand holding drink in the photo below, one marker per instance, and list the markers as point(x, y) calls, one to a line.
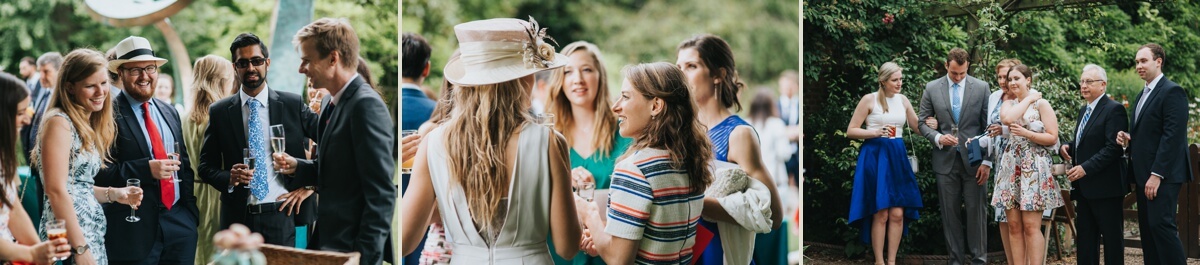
point(57, 231)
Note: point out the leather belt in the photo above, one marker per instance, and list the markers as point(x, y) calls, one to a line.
point(263, 208)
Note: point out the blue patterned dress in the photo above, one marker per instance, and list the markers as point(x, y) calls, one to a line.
point(83, 167)
point(769, 248)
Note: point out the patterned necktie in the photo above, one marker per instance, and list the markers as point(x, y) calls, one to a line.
point(955, 101)
point(160, 153)
point(1082, 124)
point(258, 145)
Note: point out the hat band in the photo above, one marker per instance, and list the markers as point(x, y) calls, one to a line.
point(136, 53)
point(484, 55)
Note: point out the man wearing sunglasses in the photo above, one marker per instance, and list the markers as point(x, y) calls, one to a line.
point(254, 195)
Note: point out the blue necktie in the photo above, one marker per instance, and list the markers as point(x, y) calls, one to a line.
point(1082, 124)
point(955, 101)
point(258, 145)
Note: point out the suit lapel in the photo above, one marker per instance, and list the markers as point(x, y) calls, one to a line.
point(944, 89)
point(276, 107)
point(130, 120)
point(172, 120)
point(236, 124)
point(1097, 113)
point(336, 115)
point(1154, 95)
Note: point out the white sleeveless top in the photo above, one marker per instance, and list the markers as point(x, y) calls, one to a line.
point(895, 115)
point(526, 219)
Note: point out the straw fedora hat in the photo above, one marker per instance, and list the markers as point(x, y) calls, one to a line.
point(499, 50)
point(134, 49)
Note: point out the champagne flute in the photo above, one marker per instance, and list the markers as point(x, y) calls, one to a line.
point(277, 140)
point(132, 218)
point(174, 155)
point(954, 130)
point(248, 159)
point(57, 229)
point(1125, 154)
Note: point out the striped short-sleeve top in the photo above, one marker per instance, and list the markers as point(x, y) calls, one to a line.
point(649, 202)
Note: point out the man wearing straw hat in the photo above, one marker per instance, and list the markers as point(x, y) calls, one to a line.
point(353, 173)
point(147, 131)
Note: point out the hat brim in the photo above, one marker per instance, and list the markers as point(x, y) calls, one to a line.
point(457, 75)
point(115, 65)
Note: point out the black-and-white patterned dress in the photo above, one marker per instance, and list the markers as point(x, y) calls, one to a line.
point(83, 167)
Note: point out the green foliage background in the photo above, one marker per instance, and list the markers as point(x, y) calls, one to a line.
point(846, 41)
point(763, 33)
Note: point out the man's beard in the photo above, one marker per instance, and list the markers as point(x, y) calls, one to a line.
point(253, 84)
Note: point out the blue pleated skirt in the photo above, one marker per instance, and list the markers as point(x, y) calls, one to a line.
point(883, 178)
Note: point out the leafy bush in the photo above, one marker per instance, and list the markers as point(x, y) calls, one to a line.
point(846, 41)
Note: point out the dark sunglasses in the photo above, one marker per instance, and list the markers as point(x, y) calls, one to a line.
point(243, 63)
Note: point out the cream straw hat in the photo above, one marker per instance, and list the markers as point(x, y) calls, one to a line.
point(499, 50)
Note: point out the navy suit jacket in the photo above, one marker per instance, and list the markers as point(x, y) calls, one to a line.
point(354, 174)
point(417, 108)
point(1159, 135)
point(1098, 152)
point(226, 137)
point(129, 158)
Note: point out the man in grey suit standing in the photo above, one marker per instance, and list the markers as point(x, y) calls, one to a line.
point(959, 103)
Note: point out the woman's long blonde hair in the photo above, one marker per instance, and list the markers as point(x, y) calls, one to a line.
point(885, 71)
point(96, 130)
point(605, 123)
point(482, 121)
point(212, 77)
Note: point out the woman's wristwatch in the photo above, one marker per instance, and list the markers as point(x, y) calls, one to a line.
point(79, 250)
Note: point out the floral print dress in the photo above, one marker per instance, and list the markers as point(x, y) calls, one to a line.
point(83, 167)
point(1024, 181)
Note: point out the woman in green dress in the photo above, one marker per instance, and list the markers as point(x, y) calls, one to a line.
point(581, 106)
point(213, 79)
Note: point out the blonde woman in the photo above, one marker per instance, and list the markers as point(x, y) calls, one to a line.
point(580, 105)
point(515, 170)
point(885, 193)
point(72, 147)
point(212, 79)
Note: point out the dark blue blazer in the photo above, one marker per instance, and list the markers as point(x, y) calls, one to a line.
point(416, 108)
point(1098, 152)
point(1159, 135)
point(225, 139)
point(354, 174)
point(129, 158)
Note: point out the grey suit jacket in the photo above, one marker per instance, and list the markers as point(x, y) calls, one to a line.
point(935, 102)
point(354, 174)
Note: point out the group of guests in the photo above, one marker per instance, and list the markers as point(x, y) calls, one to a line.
point(125, 172)
point(490, 184)
point(1012, 133)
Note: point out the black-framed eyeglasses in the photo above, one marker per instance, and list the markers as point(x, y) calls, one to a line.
point(243, 63)
point(1089, 81)
point(135, 71)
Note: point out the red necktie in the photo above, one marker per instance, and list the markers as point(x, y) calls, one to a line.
point(156, 145)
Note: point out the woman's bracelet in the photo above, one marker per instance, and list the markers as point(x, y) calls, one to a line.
point(108, 194)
